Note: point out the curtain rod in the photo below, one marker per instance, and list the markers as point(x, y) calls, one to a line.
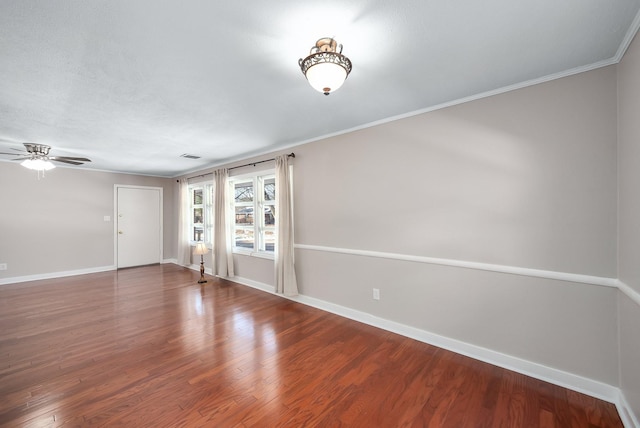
point(291, 155)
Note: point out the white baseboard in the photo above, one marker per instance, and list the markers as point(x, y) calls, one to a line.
point(629, 420)
point(561, 378)
point(51, 275)
point(254, 284)
point(62, 274)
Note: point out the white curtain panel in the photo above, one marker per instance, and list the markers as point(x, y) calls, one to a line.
point(184, 248)
point(285, 274)
point(222, 250)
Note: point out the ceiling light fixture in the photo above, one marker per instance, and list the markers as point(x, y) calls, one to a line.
point(38, 158)
point(38, 163)
point(325, 68)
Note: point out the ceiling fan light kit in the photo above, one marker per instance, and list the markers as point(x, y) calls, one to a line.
point(326, 68)
point(38, 164)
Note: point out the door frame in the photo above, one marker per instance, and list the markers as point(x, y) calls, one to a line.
point(115, 219)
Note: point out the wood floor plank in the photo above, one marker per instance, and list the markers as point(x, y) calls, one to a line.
point(149, 347)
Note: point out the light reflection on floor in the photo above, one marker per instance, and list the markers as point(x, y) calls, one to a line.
point(199, 329)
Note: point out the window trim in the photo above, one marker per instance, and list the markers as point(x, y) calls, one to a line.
point(207, 212)
point(257, 178)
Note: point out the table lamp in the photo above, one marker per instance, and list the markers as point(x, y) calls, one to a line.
point(201, 250)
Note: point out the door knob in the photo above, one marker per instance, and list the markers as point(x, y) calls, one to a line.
point(120, 232)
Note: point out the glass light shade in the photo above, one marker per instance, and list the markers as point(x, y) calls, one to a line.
point(201, 249)
point(326, 77)
point(38, 164)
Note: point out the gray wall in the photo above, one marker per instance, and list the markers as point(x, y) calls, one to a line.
point(526, 178)
point(56, 224)
point(629, 222)
point(523, 179)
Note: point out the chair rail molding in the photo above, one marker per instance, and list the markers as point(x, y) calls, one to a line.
point(514, 270)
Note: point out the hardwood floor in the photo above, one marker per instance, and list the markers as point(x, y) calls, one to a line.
point(149, 347)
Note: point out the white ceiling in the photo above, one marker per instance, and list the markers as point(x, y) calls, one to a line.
point(133, 84)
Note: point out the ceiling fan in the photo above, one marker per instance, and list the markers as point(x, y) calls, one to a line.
point(37, 157)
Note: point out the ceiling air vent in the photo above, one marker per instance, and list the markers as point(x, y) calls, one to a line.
point(188, 156)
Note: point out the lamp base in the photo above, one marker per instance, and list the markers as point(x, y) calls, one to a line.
point(201, 280)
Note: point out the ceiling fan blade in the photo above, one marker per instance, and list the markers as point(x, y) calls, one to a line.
point(71, 158)
point(65, 161)
point(11, 154)
point(19, 159)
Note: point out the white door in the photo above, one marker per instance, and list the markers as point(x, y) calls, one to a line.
point(138, 226)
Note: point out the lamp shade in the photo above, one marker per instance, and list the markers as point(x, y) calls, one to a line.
point(38, 164)
point(326, 77)
point(200, 249)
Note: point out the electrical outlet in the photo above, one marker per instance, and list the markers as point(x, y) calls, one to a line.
point(3, 266)
point(376, 294)
point(107, 218)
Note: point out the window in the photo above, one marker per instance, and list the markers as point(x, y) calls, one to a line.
point(201, 213)
point(254, 219)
